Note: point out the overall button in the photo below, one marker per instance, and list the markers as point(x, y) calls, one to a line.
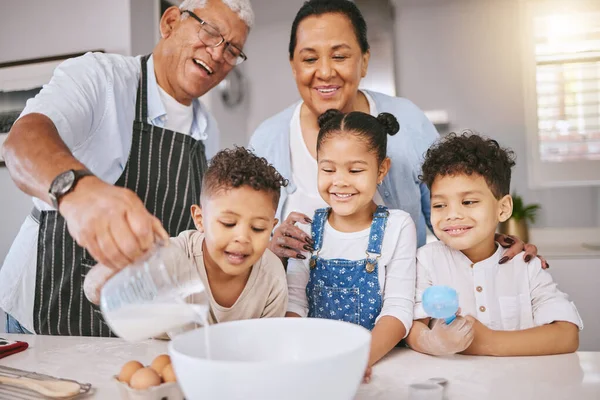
point(482, 309)
point(479, 289)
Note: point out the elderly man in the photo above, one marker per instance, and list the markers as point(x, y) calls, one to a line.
point(112, 152)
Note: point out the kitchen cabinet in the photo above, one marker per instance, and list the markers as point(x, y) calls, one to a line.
point(580, 278)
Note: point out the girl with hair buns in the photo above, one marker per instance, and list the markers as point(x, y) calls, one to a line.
point(362, 269)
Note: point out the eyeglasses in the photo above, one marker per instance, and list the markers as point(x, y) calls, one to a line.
point(211, 37)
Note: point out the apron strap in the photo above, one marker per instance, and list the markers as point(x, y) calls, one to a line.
point(36, 214)
point(141, 102)
point(380, 218)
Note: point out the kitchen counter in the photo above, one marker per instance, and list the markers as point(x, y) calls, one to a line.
point(571, 376)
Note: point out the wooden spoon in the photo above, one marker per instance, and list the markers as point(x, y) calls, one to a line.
point(46, 388)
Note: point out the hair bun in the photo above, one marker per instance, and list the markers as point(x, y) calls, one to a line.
point(328, 116)
point(389, 122)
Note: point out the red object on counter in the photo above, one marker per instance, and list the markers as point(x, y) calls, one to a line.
point(8, 347)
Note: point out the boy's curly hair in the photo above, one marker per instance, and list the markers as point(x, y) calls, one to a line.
point(233, 168)
point(470, 153)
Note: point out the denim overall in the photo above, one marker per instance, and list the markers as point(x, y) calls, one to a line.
point(346, 290)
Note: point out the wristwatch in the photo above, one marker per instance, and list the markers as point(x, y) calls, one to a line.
point(64, 183)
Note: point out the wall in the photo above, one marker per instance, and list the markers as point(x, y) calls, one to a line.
point(268, 72)
point(465, 56)
point(144, 20)
point(379, 16)
point(232, 120)
point(45, 28)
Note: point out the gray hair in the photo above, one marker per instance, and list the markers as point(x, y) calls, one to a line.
point(241, 7)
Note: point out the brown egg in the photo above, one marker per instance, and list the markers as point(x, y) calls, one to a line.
point(160, 362)
point(128, 370)
point(144, 378)
point(168, 374)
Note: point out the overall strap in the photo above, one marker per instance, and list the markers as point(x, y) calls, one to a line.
point(318, 226)
point(380, 218)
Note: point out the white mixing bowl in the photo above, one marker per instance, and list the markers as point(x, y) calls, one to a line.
point(272, 359)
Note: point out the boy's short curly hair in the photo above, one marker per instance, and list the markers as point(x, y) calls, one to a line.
point(470, 153)
point(236, 167)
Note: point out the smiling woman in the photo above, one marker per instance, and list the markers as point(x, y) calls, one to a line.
point(329, 55)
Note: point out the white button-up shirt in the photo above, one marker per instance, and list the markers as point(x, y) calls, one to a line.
point(511, 296)
point(91, 101)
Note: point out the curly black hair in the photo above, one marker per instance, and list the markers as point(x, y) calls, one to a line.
point(470, 153)
point(233, 168)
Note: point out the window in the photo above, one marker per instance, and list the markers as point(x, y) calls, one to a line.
point(563, 55)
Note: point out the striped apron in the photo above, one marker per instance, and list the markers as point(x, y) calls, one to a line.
point(165, 170)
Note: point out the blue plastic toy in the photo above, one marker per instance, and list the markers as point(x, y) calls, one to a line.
point(441, 302)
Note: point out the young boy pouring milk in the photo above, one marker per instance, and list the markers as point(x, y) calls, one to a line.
point(234, 220)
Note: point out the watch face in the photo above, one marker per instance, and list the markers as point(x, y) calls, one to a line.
point(63, 183)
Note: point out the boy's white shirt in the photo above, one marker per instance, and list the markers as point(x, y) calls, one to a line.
point(265, 294)
point(512, 296)
point(396, 267)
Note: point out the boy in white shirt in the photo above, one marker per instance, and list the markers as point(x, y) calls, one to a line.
point(512, 309)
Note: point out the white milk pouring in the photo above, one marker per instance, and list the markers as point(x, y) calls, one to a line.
point(147, 299)
point(142, 321)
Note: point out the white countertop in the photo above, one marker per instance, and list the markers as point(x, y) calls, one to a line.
point(572, 376)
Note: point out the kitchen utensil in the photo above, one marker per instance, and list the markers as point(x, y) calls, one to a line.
point(441, 302)
point(16, 383)
point(8, 347)
point(425, 391)
point(55, 389)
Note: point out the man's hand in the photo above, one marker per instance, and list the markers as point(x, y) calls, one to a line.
point(289, 241)
point(111, 222)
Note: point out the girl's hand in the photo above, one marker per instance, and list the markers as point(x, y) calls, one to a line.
point(367, 376)
point(289, 241)
point(515, 246)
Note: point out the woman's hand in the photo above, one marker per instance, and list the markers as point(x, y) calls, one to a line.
point(515, 246)
point(289, 241)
